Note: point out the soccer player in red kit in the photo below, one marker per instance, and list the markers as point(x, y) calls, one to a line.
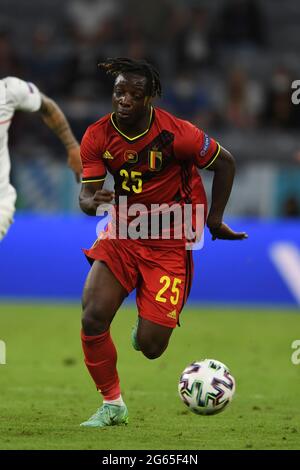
point(153, 157)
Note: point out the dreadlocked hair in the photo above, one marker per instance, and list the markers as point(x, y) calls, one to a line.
point(122, 65)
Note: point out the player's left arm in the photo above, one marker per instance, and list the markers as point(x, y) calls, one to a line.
point(55, 119)
point(224, 169)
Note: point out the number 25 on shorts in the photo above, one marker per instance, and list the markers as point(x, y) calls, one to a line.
point(166, 281)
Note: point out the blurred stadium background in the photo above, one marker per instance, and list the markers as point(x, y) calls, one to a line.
point(228, 66)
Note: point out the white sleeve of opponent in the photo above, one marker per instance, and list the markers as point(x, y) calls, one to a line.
point(25, 96)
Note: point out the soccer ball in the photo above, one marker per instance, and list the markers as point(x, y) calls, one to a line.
point(206, 387)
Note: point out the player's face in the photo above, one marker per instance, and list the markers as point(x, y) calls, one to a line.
point(129, 100)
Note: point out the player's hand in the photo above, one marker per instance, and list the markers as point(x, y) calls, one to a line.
point(74, 162)
point(102, 196)
point(223, 232)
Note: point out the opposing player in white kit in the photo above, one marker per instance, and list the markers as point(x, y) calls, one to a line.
point(18, 95)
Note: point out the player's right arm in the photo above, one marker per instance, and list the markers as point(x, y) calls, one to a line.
point(92, 196)
point(94, 172)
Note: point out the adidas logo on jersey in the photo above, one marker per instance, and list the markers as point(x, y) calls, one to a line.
point(107, 155)
point(172, 314)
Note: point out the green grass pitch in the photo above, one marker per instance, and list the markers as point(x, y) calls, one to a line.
point(46, 391)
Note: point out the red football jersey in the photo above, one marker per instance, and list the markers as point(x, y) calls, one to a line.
point(155, 167)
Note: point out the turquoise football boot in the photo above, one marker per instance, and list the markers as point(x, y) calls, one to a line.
point(108, 415)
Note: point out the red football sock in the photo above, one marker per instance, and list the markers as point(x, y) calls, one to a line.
point(100, 357)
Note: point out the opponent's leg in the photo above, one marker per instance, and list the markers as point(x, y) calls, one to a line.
point(7, 210)
point(103, 294)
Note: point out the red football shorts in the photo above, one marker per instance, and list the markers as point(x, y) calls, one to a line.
point(162, 276)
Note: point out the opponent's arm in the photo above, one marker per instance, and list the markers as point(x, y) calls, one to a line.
point(55, 119)
point(224, 170)
point(92, 195)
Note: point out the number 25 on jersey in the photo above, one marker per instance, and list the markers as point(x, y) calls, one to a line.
point(132, 181)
